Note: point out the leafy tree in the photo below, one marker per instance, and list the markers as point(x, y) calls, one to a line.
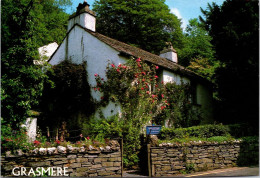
point(147, 24)
point(234, 28)
point(23, 31)
point(197, 44)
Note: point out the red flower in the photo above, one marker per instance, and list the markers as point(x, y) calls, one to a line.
point(112, 65)
point(142, 88)
point(156, 76)
point(143, 73)
point(88, 138)
point(98, 89)
point(148, 92)
point(36, 142)
point(102, 79)
point(119, 65)
point(96, 75)
point(95, 89)
point(153, 96)
point(153, 101)
point(162, 107)
point(157, 67)
point(124, 67)
point(143, 80)
point(8, 140)
point(156, 85)
point(146, 86)
point(57, 141)
point(162, 95)
point(138, 60)
point(139, 65)
point(165, 101)
point(117, 70)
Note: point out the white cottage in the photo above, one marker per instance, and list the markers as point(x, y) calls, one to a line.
point(83, 43)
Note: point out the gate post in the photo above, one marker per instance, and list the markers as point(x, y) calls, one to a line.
point(122, 164)
point(149, 159)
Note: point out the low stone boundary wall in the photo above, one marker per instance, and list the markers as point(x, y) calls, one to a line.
point(78, 162)
point(169, 159)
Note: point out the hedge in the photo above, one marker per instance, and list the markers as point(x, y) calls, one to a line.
point(202, 131)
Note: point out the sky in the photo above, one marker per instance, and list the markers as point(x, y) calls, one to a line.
point(183, 9)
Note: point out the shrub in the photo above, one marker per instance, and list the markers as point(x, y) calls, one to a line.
point(203, 131)
point(242, 130)
point(249, 151)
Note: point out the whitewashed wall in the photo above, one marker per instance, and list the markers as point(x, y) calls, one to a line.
point(170, 77)
point(85, 20)
point(81, 46)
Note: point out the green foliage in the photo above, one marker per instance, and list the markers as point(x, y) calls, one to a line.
point(203, 131)
point(147, 24)
point(23, 31)
point(218, 139)
point(69, 100)
point(249, 151)
point(12, 140)
point(197, 44)
point(204, 67)
point(103, 128)
point(242, 130)
point(234, 28)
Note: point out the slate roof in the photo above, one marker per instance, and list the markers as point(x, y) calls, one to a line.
point(145, 55)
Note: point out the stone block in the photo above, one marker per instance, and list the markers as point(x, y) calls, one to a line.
point(105, 173)
point(72, 156)
point(97, 160)
point(82, 169)
point(117, 163)
point(81, 160)
point(178, 167)
point(96, 166)
point(166, 168)
point(113, 159)
point(93, 175)
point(75, 165)
point(107, 164)
point(113, 168)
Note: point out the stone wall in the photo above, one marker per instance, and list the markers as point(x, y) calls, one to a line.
point(80, 162)
point(169, 159)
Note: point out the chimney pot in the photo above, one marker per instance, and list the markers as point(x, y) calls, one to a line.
point(169, 53)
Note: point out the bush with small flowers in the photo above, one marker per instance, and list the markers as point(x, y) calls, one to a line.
point(143, 100)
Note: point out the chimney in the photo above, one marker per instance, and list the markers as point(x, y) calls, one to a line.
point(169, 53)
point(84, 17)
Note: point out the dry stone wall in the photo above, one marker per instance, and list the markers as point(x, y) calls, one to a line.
point(79, 162)
point(169, 159)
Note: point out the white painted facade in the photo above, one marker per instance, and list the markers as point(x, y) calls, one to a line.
point(170, 77)
point(86, 20)
point(31, 126)
point(80, 46)
point(172, 56)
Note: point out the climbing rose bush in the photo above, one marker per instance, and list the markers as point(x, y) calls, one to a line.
point(144, 100)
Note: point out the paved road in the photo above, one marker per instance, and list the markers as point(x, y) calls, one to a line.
point(228, 172)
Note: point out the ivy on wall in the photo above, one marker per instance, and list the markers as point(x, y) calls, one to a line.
point(69, 99)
